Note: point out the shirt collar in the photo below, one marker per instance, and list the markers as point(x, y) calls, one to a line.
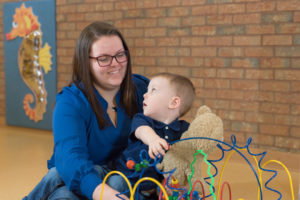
point(174, 125)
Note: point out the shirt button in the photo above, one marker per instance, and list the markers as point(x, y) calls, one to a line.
point(167, 128)
point(166, 137)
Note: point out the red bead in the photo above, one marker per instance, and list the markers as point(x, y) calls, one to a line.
point(130, 164)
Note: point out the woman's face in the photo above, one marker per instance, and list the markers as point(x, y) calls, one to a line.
point(111, 76)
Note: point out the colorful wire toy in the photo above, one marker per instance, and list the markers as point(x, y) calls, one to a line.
point(189, 194)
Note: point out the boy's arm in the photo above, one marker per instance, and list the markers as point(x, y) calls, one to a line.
point(157, 145)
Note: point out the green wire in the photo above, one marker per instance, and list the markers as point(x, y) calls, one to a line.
point(208, 172)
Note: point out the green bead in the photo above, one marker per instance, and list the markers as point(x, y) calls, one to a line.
point(145, 163)
point(138, 167)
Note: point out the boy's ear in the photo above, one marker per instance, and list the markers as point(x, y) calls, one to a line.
point(175, 102)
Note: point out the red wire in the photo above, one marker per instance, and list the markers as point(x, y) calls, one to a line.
point(164, 184)
point(193, 187)
point(225, 183)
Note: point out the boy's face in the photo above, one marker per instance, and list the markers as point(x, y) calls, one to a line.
point(158, 97)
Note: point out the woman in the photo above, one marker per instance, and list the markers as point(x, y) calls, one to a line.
point(92, 117)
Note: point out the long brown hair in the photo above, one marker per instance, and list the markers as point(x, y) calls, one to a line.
point(82, 76)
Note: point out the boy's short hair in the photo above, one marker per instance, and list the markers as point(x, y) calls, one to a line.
point(184, 89)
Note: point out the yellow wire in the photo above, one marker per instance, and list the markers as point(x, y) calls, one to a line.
point(288, 173)
point(149, 179)
point(222, 171)
point(106, 177)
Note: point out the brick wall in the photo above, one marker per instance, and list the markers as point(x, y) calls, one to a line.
point(242, 55)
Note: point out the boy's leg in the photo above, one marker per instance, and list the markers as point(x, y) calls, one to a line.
point(50, 182)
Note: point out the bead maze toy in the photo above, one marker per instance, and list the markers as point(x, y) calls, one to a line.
point(190, 194)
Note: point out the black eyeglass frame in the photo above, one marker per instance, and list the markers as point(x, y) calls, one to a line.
point(111, 58)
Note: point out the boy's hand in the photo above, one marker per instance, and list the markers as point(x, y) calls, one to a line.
point(158, 146)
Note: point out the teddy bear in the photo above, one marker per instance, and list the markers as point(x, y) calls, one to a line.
point(181, 154)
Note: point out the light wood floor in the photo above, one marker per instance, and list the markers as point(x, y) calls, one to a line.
point(24, 152)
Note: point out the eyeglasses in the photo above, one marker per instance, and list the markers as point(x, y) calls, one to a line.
point(106, 60)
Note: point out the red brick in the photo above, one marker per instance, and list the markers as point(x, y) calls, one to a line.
point(193, 2)
point(167, 61)
point(244, 106)
point(287, 75)
point(197, 82)
point(230, 73)
point(219, 19)
point(219, 41)
point(203, 72)
point(144, 42)
point(231, 8)
point(275, 108)
point(155, 32)
point(244, 84)
point(205, 10)
point(259, 96)
point(179, 11)
point(154, 70)
point(287, 142)
point(217, 104)
point(295, 132)
point(274, 62)
point(262, 139)
point(175, 32)
point(133, 13)
point(205, 93)
point(295, 86)
point(245, 62)
point(246, 40)
point(203, 30)
point(290, 51)
point(260, 29)
point(178, 51)
point(274, 129)
point(132, 33)
point(230, 52)
point(258, 52)
point(277, 40)
point(231, 115)
point(295, 63)
point(167, 41)
point(274, 85)
point(146, 4)
point(259, 117)
point(156, 12)
point(230, 94)
point(193, 21)
point(144, 60)
point(216, 62)
point(204, 51)
point(124, 5)
point(155, 51)
point(244, 127)
point(261, 7)
point(288, 28)
point(287, 97)
point(168, 3)
point(169, 22)
point(184, 71)
point(253, 18)
point(191, 61)
point(103, 6)
point(296, 17)
point(191, 41)
point(259, 74)
point(288, 5)
point(217, 83)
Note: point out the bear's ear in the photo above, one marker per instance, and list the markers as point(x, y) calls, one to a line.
point(202, 110)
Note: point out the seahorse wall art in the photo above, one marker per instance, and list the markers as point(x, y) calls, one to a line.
point(32, 57)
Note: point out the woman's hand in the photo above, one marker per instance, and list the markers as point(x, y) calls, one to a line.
point(108, 193)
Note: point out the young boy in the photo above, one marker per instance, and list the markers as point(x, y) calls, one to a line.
point(169, 97)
